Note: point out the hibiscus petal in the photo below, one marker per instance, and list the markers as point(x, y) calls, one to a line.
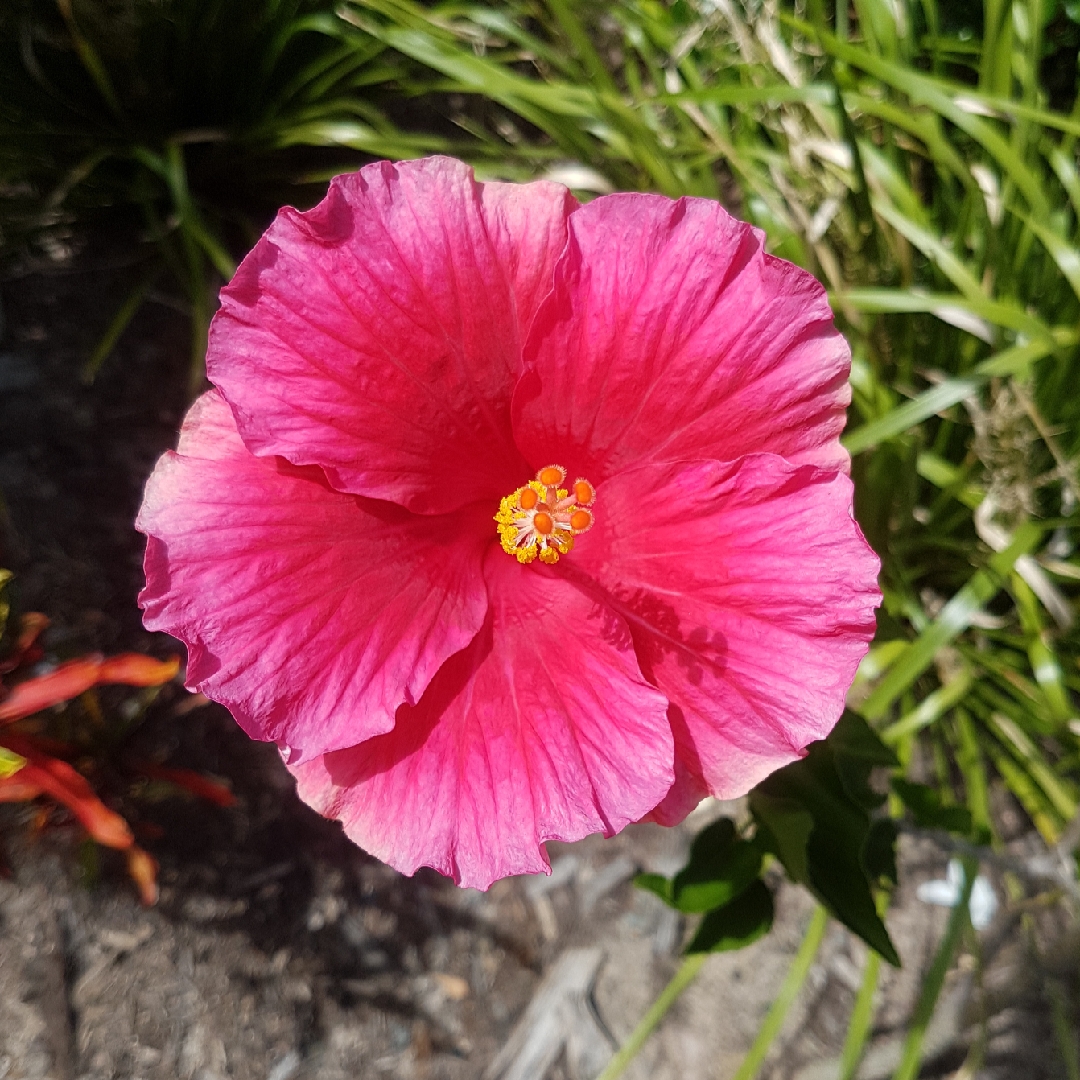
point(670, 335)
point(543, 729)
point(310, 613)
point(750, 595)
point(379, 335)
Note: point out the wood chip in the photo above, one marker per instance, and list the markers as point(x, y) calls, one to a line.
point(560, 1016)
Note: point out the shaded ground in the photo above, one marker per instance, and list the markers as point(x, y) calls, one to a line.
point(280, 951)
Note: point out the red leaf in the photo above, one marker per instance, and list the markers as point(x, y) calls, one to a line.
point(134, 669)
point(77, 676)
point(57, 779)
point(143, 868)
point(196, 783)
point(17, 788)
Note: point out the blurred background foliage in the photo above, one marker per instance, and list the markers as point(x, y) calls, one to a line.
point(919, 156)
point(184, 124)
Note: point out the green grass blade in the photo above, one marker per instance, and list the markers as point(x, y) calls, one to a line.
point(1019, 744)
point(789, 991)
point(970, 760)
point(1007, 314)
point(911, 1056)
point(124, 315)
point(933, 247)
point(92, 62)
point(1061, 251)
point(683, 977)
point(861, 1020)
point(1015, 361)
point(931, 709)
point(953, 619)
point(1030, 796)
point(586, 54)
point(1064, 1028)
point(949, 102)
point(950, 479)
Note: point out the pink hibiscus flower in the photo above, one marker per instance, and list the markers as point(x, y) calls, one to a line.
point(673, 596)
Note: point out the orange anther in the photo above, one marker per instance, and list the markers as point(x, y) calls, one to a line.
point(580, 520)
point(551, 475)
point(584, 492)
point(528, 498)
point(543, 523)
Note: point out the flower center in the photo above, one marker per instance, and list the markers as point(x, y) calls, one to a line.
point(542, 518)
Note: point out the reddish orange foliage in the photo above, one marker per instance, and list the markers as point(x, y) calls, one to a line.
point(44, 774)
point(77, 676)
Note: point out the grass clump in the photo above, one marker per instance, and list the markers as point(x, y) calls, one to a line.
point(183, 122)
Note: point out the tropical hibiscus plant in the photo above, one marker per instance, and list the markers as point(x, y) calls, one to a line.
point(510, 519)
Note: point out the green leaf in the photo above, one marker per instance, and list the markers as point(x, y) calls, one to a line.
point(841, 884)
point(10, 762)
point(737, 924)
point(857, 751)
point(879, 851)
point(929, 811)
point(658, 884)
point(785, 828)
point(855, 740)
point(841, 860)
point(720, 867)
